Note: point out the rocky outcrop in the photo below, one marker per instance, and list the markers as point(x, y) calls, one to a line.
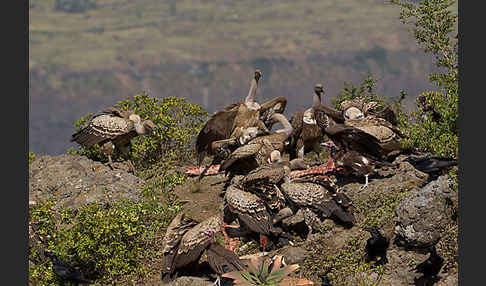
point(74, 181)
point(422, 215)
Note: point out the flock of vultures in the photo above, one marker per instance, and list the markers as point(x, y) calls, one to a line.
point(263, 187)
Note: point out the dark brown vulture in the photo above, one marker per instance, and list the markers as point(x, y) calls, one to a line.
point(306, 135)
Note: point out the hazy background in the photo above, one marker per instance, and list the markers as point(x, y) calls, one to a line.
point(85, 55)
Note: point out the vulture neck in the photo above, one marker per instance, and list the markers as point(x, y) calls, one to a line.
point(252, 92)
point(140, 128)
point(316, 100)
point(287, 127)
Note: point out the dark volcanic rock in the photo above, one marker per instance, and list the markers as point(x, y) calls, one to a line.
point(75, 180)
point(422, 214)
point(292, 254)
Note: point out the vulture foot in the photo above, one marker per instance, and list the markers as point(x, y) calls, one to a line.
point(366, 183)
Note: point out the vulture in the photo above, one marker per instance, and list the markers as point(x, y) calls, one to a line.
point(317, 198)
point(251, 213)
point(113, 129)
point(306, 135)
point(220, 259)
point(264, 181)
point(176, 229)
point(233, 119)
point(376, 246)
point(222, 132)
point(372, 137)
point(357, 108)
point(193, 244)
point(257, 151)
point(65, 271)
point(354, 162)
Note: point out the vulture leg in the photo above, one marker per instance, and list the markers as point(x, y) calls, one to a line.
point(316, 147)
point(110, 162)
point(300, 152)
point(366, 183)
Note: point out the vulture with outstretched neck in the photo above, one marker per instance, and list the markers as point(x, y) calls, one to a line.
point(223, 131)
point(113, 129)
point(306, 135)
point(236, 117)
point(257, 151)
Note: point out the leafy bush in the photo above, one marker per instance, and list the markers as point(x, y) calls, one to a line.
point(433, 127)
point(74, 6)
point(107, 243)
point(177, 123)
point(364, 91)
point(31, 157)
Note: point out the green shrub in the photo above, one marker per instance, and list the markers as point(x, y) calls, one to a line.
point(109, 243)
point(31, 157)
point(177, 124)
point(365, 91)
point(434, 27)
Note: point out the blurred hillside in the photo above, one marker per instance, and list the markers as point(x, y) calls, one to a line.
point(85, 54)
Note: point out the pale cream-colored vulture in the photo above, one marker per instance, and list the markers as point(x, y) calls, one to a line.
point(113, 129)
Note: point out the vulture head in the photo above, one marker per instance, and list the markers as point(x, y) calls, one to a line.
point(248, 134)
point(319, 89)
point(353, 113)
point(258, 75)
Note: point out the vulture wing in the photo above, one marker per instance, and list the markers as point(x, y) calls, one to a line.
point(102, 127)
point(250, 210)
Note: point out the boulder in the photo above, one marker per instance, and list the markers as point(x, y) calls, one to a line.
point(422, 215)
point(74, 181)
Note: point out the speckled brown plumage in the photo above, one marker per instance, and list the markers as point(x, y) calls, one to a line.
point(194, 241)
point(176, 229)
point(249, 209)
point(264, 182)
point(317, 198)
point(220, 257)
point(257, 151)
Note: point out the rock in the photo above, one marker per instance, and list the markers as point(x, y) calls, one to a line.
point(422, 214)
point(292, 254)
point(76, 180)
point(190, 281)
